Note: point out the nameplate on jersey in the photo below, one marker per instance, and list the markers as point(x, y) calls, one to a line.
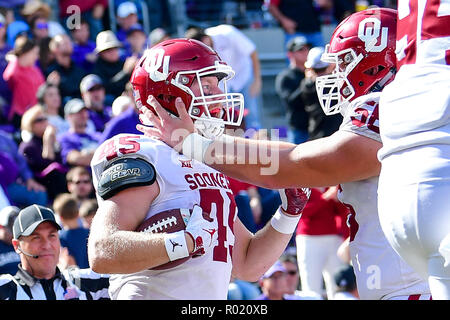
point(125, 173)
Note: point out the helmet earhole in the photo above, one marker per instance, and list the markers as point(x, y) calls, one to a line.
point(195, 111)
point(361, 83)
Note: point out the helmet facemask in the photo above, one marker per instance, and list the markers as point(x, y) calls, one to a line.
point(209, 121)
point(335, 90)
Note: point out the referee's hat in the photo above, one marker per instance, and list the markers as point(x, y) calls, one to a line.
point(30, 218)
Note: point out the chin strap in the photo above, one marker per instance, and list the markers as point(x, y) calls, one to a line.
point(209, 129)
point(380, 84)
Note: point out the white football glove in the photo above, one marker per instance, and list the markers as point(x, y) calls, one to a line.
point(202, 231)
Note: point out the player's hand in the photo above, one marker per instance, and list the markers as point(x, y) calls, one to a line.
point(294, 200)
point(202, 231)
point(169, 129)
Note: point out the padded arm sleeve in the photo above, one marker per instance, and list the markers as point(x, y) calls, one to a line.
point(125, 173)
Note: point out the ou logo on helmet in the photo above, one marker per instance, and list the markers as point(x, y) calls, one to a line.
point(370, 31)
point(155, 59)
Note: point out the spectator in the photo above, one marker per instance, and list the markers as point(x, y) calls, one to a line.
point(77, 145)
point(39, 149)
point(72, 236)
point(63, 70)
point(273, 283)
point(91, 10)
point(248, 202)
point(287, 86)
point(37, 9)
point(297, 18)
point(49, 98)
point(88, 209)
point(124, 122)
point(238, 51)
point(121, 104)
point(23, 77)
point(17, 178)
point(157, 35)
point(137, 40)
point(126, 18)
point(39, 28)
point(36, 239)
point(346, 284)
point(83, 48)
point(317, 239)
point(79, 183)
point(9, 259)
point(114, 72)
point(320, 125)
point(289, 262)
point(93, 94)
point(5, 92)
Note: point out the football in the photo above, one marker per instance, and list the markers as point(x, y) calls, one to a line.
point(168, 222)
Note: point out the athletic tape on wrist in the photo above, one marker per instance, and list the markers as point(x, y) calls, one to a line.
point(283, 223)
point(176, 245)
point(195, 145)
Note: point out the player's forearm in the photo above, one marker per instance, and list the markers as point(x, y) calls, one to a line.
point(272, 164)
point(263, 250)
point(129, 252)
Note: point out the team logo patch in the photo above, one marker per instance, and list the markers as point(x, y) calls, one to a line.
point(186, 163)
point(374, 37)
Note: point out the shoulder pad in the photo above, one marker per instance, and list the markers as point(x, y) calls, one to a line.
point(125, 173)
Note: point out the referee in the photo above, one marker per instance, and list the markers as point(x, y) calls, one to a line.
point(36, 239)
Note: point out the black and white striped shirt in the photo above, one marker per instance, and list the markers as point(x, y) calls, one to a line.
point(71, 284)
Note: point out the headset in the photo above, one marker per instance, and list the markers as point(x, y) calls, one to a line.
point(27, 254)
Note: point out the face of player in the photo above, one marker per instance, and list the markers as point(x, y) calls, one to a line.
point(44, 242)
point(209, 86)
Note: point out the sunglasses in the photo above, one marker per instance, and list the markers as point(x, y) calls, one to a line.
point(42, 25)
point(81, 181)
point(40, 119)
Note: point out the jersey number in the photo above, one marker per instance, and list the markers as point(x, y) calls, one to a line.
point(435, 24)
point(123, 145)
point(212, 200)
point(365, 118)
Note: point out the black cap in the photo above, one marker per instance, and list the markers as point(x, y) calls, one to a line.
point(30, 218)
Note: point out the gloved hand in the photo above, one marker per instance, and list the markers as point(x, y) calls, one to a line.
point(294, 200)
point(202, 231)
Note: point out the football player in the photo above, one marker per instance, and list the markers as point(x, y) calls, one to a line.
point(362, 49)
point(414, 184)
point(138, 178)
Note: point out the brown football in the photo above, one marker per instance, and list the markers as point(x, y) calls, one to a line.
point(165, 222)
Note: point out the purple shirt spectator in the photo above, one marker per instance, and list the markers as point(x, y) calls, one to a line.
point(100, 119)
point(9, 147)
point(77, 141)
point(32, 151)
point(79, 55)
point(123, 123)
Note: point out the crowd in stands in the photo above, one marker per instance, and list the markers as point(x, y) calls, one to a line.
point(64, 89)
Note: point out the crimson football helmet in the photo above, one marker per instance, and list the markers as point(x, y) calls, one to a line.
point(362, 48)
point(169, 69)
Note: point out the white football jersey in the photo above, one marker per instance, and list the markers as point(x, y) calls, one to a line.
point(415, 107)
point(379, 270)
point(183, 183)
point(423, 32)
